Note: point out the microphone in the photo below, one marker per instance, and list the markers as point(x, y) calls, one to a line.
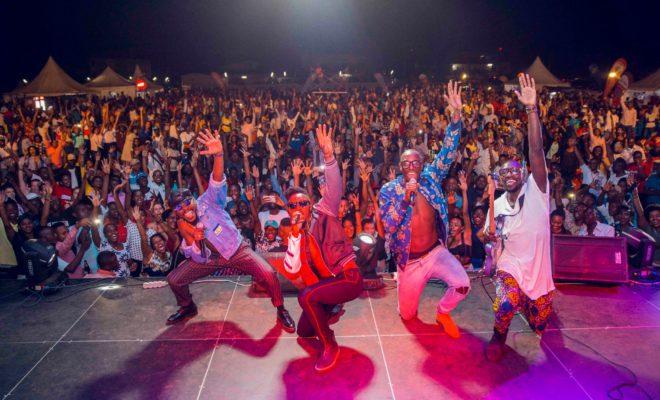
point(201, 244)
point(412, 195)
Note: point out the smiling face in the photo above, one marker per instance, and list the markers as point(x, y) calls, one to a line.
point(455, 226)
point(411, 165)
point(556, 224)
point(110, 232)
point(158, 244)
point(349, 228)
point(511, 176)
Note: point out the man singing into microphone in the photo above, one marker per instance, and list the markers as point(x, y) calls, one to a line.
point(319, 251)
point(523, 280)
point(211, 242)
point(414, 210)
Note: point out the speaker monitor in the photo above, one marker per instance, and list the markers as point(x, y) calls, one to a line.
point(589, 259)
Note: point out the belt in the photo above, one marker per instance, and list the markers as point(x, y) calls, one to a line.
point(418, 255)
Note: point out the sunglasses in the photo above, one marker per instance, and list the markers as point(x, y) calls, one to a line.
point(408, 164)
point(300, 204)
point(185, 203)
point(508, 171)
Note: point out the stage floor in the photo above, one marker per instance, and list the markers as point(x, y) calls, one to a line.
point(113, 344)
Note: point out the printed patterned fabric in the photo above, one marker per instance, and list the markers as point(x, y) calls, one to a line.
point(396, 213)
point(510, 299)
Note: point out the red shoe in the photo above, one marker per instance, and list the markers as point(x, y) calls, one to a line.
point(448, 325)
point(327, 359)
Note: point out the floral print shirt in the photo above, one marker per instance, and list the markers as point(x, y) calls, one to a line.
point(396, 213)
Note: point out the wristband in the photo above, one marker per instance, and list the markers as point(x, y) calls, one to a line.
point(530, 109)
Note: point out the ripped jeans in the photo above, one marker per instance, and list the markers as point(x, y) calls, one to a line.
point(439, 263)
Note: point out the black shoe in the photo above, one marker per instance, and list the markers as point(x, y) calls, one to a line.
point(182, 314)
point(285, 319)
point(495, 348)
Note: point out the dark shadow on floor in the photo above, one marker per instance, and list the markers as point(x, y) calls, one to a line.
point(352, 374)
point(150, 371)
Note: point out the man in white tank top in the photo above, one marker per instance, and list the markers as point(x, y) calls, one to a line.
point(523, 280)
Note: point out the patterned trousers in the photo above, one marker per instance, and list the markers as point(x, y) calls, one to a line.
point(245, 259)
point(511, 299)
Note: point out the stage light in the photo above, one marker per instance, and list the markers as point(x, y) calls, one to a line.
point(612, 74)
point(272, 74)
point(339, 72)
point(571, 195)
point(109, 287)
point(454, 67)
point(25, 81)
point(130, 78)
point(489, 65)
point(243, 76)
point(490, 88)
point(464, 76)
point(167, 79)
point(155, 78)
point(88, 79)
point(226, 76)
point(392, 72)
point(284, 73)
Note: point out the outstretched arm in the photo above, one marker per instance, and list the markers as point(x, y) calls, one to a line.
point(447, 153)
point(527, 96)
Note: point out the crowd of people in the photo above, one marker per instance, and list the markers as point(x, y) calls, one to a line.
point(97, 178)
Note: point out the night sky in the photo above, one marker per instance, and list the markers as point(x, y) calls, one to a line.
point(200, 36)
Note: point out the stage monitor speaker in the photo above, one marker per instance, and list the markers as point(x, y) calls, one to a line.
point(589, 259)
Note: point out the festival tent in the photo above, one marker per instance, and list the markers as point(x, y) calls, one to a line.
point(542, 76)
point(151, 85)
point(110, 82)
point(50, 82)
point(649, 85)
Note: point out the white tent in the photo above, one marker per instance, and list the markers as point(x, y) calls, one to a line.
point(109, 82)
point(51, 81)
point(151, 85)
point(649, 85)
point(542, 76)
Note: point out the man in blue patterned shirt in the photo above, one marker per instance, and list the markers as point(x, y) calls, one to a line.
point(414, 210)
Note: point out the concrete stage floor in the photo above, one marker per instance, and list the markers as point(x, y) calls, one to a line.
point(113, 344)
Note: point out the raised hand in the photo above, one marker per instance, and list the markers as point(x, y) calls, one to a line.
point(453, 96)
point(105, 167)
point(307, 170)
point(255, 172)
point(297, 167)
point(211, 141)
point(354, 200)
point(344, 165)
point(135, 213)
point(249, 193)
point(324, 139)
point(462, 181)
point(527, 93)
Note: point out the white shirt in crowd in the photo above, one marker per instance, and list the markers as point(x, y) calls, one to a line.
point(601, 230)
point(526, 254)
point(266, 216)
point(589, 176)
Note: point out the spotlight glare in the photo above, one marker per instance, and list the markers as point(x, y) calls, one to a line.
point(130, 78)
point(226, 76)
point(25, 81)
point(285, 73)
point(272, 74)
point(109, 287)
point(464, 76)
point(489, 65)
point(612, 74)
point(155, 78)
point(88, 79)
point(243, 76)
